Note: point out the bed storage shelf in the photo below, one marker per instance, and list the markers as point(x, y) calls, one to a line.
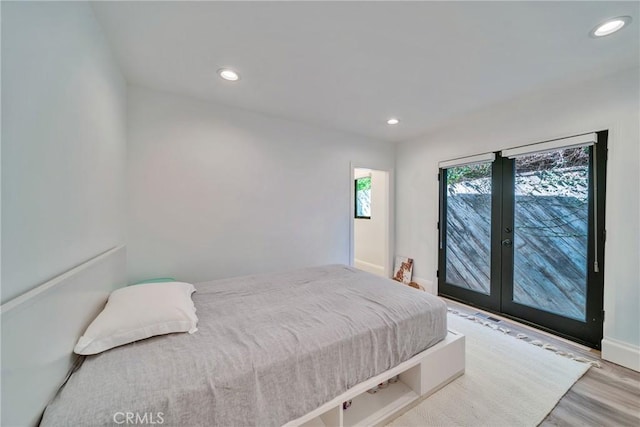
point(367, 409)
point(420, 376)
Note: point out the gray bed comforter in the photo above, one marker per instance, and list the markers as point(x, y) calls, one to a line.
point(269, 349)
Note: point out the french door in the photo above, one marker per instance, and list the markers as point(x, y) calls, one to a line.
point(522, 234)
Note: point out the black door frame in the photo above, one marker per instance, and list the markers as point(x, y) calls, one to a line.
point(500, 300)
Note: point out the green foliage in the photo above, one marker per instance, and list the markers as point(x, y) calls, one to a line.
point(468, 173)
point(363, 184)
point(559, 159)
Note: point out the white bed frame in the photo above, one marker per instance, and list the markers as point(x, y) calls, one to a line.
point(420, 376)
point(40, 329)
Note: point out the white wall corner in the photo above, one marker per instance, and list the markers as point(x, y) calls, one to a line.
point(621, 353)
point(428, 285)
point(371, 268)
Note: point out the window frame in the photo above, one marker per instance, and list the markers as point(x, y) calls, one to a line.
point(355, 199)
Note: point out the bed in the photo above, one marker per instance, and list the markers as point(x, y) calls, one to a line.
point(270, 350)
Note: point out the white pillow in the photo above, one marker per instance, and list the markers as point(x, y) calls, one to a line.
point(137, 312)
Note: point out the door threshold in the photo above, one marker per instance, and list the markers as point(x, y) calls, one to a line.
point(490, 316)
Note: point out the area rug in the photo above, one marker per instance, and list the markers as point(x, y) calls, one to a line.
point(507, 382)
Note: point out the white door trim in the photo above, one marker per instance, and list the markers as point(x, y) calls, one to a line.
point(390, 225)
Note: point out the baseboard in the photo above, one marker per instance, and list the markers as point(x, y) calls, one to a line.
point(621, 353)
point(369, 267)
point(428, 285)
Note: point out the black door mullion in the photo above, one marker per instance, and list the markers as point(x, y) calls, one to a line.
point(497, 262)
point(505, 230)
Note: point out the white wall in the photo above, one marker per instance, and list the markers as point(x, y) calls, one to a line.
point(63, 142)
point(216, 191)
point(370, 235)
point(608, 103)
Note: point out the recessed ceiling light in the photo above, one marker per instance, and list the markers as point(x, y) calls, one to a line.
point(228, 74)
point(610, 26)
point(393, 121)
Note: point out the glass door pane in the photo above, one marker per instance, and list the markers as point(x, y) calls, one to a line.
point(550, 239)
point(468, 227)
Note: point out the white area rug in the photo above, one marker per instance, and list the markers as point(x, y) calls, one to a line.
point(507, 382)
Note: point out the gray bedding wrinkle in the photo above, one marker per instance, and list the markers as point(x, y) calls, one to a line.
point(269, 349)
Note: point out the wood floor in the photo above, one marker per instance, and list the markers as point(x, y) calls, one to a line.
point(605, 396)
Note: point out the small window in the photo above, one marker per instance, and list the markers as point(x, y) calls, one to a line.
point(363, 197)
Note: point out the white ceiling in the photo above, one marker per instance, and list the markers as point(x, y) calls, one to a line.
point(351, 65)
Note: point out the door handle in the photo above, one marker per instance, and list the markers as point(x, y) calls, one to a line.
point(507, 242)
